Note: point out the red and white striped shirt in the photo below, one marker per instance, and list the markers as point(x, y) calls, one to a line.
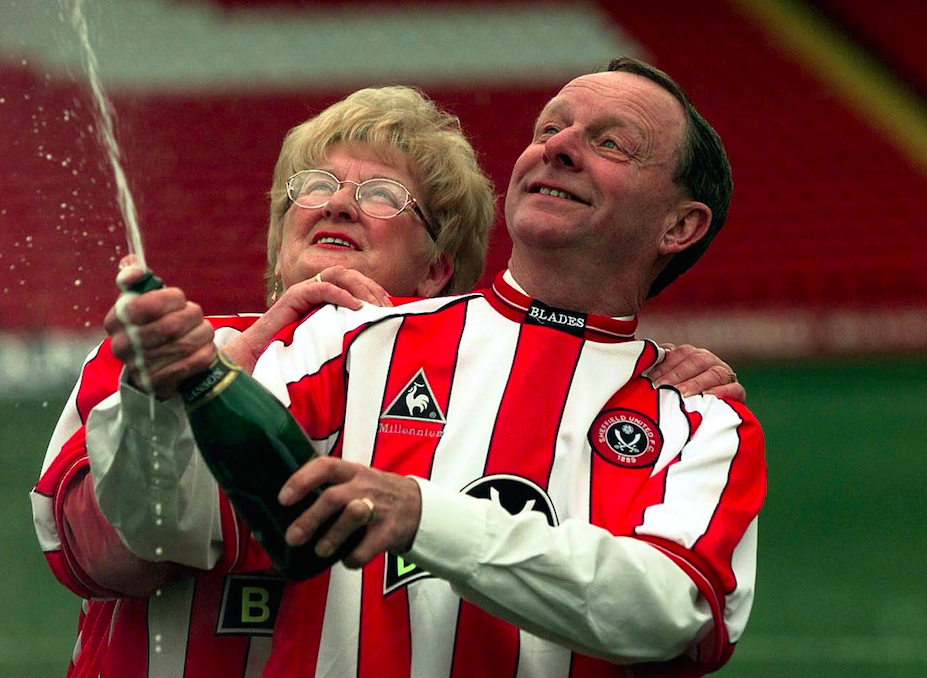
point(568, 502)
point(630, 501)
point(215, 625)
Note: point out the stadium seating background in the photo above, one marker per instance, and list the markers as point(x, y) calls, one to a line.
point(820, 258)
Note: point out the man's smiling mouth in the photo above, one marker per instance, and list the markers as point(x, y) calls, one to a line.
point(555, 193)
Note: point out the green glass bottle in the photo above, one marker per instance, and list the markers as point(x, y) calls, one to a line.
point(252, 445)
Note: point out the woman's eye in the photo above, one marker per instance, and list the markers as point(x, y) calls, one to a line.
point(610, 144)
point(548, 130)
point(318, 187)
point(384, 196)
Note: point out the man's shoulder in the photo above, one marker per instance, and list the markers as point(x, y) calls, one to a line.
point(724, 414)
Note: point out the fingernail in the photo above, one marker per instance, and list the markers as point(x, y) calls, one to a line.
point(295, 536)
point(323, 549)
point(286, 496)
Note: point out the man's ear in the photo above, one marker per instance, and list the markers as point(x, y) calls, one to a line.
point(439, 272)
point(687, 226)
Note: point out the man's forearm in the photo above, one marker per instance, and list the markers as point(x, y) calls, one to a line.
point(613, 597)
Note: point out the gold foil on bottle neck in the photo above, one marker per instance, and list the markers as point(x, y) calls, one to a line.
point(221, 385)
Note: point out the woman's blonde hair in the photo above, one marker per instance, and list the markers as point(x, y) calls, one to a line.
point(456, 195)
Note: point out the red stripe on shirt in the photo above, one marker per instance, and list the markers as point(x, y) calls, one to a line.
point(421, 344)
point(740, 501)
point(98, 379)
point(318, 399)
point(93, 633)
point(127, 649)
point(521, 423)
point(209, 655)
point(614, 490)
point(302, 612)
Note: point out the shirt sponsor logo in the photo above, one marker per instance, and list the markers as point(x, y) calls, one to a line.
point(402, 429)
point(513, 493)
point(626, 438)
point(570, 322)
point(399, 572)
point(416, 401)
point(250, 603)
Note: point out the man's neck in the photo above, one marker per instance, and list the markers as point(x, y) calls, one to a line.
point(562, 285)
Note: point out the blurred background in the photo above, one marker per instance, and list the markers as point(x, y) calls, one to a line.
point(816, 290)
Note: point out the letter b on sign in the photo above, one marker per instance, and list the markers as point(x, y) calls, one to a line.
point(249, 604)
point(254, 609)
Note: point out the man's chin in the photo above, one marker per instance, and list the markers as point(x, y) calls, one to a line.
point(539, 228)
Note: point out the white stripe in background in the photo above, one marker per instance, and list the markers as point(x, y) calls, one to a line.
point(159, 44)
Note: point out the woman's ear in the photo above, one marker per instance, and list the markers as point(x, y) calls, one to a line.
point(439, 272)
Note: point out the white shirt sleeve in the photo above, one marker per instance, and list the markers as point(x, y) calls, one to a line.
point(150, 481)
point(617, 598)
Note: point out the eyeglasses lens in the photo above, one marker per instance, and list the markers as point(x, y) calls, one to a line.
point(377, 197)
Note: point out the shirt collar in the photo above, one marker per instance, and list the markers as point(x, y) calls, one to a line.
point(510, 299)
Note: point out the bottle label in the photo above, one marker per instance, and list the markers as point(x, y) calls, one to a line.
point(200, 389)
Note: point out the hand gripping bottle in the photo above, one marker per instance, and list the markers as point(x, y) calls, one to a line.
point(252, 445)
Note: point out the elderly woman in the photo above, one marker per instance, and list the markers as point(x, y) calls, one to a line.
point(380, 192)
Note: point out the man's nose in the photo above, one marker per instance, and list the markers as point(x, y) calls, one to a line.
point(564, 149)
point(342, 204)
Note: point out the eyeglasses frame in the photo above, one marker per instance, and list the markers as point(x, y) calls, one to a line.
point(410, 201)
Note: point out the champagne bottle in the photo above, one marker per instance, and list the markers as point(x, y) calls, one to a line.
point(252, 445)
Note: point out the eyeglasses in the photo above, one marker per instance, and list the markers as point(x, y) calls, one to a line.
point(380, 198)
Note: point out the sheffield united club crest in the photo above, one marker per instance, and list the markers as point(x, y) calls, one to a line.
point(626, 438)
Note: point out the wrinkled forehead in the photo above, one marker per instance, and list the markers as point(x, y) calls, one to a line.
point(624, 97)
point(369, 160)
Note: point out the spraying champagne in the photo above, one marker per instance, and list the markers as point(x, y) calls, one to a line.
point(252, 445)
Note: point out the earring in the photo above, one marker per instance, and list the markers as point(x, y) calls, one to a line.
point(273, 296)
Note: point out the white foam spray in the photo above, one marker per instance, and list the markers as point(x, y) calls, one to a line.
point(107, 135)
point(105, 131)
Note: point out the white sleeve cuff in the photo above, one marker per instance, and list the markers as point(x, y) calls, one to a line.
point(150, 482)
point(451, 533)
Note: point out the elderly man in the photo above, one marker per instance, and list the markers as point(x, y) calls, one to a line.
point(599, 517)
point(515, 530)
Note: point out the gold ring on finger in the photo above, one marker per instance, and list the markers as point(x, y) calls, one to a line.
point(372, 510)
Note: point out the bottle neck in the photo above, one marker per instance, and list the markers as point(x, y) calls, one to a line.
point(203, 387)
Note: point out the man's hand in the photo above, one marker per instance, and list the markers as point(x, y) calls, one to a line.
point(334, 285)
point(389, 505)
point(696, 370)
point(161, 333)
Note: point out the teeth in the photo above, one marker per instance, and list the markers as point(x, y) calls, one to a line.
point(555, 193)
point(331, 240)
